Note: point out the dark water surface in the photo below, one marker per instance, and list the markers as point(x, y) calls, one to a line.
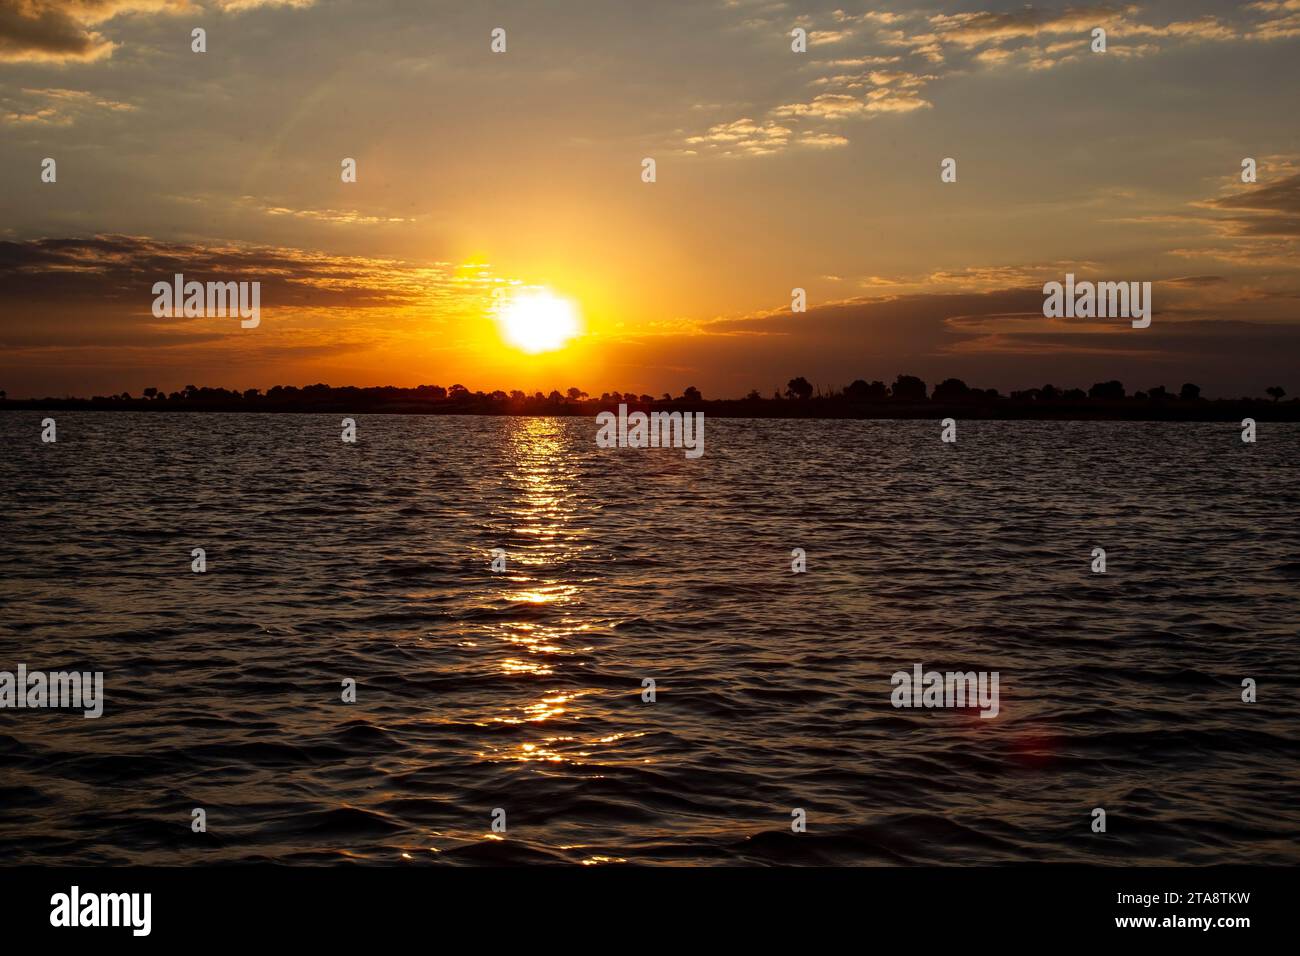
point(522, 690)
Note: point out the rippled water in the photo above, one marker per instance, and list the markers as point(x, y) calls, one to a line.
point(522, 690)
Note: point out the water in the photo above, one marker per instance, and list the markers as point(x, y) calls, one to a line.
point(522, 690)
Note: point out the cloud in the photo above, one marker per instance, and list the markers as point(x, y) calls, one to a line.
point(895, 101)
point(238, 6)
point(825, 106)
point(348, 217)
point(972, 29)
point(46, 33)
point(1280, 19)
point(1000, 338)
point(1262, 209)
point(56, 107)
point(1252, 226)
point(62, 31)
point(104, 283)
point(65, 31)
point(822, 140)
point(1196, 280)
point(923, 48)
point(743, 137)
point(980, 28)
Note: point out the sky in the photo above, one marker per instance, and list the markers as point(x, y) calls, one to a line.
point(484, 174)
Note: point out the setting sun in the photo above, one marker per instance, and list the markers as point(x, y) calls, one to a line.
point(538, 321)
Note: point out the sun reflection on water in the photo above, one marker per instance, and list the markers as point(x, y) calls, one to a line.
point(542, 502)
point(549, 707)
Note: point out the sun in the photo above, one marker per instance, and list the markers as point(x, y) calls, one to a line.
point(537, 320)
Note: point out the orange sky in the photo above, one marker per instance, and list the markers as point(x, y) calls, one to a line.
point(480, 173)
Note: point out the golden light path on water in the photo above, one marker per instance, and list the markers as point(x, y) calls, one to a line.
point(547, 513)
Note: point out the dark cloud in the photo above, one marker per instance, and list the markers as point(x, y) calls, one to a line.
point(52, 31)
point(122, 269)
point(995, 339)
point(1270, 209)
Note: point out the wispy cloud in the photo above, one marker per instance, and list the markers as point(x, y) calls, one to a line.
point(56, 107)
point(923, 48)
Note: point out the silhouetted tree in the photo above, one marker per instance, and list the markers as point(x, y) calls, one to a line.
point(753, 396)
point(576, 394)
point(1074, 395)
point(1106, 391)
point(908, 388)
point(856, 390)
point(1158, 393)
point(1276, 391)
point(150, 393)
point(1189, 392)
point(799, 388)
point(951, 389)
point(860, 391)
point(692, 394)
point(1049, 393)
point(457, 392)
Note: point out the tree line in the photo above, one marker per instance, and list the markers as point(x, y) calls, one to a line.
point(908, 395)
point(910, 388)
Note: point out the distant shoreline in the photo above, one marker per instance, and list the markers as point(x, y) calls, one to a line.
point(1000, 409)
